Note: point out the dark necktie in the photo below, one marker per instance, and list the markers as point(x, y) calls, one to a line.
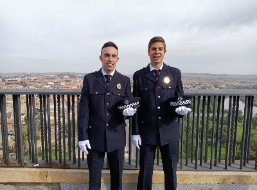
point(108, 78)
point(157, 73)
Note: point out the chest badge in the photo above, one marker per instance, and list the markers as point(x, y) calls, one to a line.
point(118, 86)
point(167, 80)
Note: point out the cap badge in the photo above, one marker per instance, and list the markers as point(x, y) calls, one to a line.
point(180, 99)
point(167, 80)
point(126, 102)
point(118, 86)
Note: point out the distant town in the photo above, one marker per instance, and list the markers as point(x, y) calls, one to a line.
point(75, 80)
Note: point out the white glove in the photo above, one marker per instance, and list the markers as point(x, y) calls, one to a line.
point(129, 111)
point(182, 110)
point(136, 140)
point(83, 145)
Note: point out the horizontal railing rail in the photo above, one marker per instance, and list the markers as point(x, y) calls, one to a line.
point(39, 128)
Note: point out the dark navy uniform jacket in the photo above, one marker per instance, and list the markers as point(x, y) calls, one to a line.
point(154, 120)
point(99, 120)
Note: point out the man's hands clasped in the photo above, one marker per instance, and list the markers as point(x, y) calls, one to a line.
point(83, 145)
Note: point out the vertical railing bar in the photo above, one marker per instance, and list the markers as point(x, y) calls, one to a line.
point(243, 135)
point(178, 144)
point(15, 111)
point(5, 130)
point(28, 119)
point(55, 129)
point(247, 130)
point(79, 163)
point(193, 131)
point(217, 131)
point(197, 131)
point(69, 127)
point(45, 128)
point(235, 134)
point(129, 143)
point(213, 130)
point(49, 130)
point(42, 127)
point(228, 132)
point(63, 132)
point(2, 130)
point(20, 145)
point(232, 131)
point(250, 126)
point(137, 158)
point(59, 128)
point(202, 132)
point(187, 138)
point(221, 127)
point(31, 128)
point(73, 128)
point(207, 129)
point(34, 127)
point(182, 139)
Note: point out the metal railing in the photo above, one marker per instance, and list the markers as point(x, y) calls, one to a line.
point(212, 137)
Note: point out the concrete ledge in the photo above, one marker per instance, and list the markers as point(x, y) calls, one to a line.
point(40, 175)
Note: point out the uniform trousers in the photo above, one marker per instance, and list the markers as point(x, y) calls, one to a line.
point(95, 161)
point(169, 160)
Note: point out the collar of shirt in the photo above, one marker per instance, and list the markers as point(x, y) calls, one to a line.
point(104, 73)
point(152, 68)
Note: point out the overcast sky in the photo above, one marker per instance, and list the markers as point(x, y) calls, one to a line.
point(202, 36)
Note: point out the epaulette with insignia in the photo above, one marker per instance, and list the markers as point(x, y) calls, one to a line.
point(172, 67)
point(122, 74)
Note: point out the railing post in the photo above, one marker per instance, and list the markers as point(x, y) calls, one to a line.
point(217, 131)
point(197, 131)
point(63, 131)
point(187, 137)
point(213, 130)
point(221, 127)
point(42, 127)
point(49, 130)
point(193, 131)
point(243, 135)
point(73, 129)
point(55, 129)
point(207, 128)
point(202, 132)
point(4, 130)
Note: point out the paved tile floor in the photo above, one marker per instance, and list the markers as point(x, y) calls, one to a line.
point(72, 186)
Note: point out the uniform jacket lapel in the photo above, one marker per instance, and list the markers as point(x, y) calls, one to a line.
point(100, 79)
point(150, 74)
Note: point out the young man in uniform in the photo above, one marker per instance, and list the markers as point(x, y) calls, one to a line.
point(101, 127)
point(155, 124)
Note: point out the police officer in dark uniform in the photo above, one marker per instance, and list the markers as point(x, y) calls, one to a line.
point(155, 124)
point(101, 127)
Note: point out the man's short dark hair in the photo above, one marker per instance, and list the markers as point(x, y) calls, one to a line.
point(109, 44)
point(157, 39)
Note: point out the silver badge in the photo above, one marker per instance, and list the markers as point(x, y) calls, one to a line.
point(126, 102)
point(167, 80)
point(118, 86)
point(180, 99)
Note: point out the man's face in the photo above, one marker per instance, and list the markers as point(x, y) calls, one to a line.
point(156, 53)
point(109, 58)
